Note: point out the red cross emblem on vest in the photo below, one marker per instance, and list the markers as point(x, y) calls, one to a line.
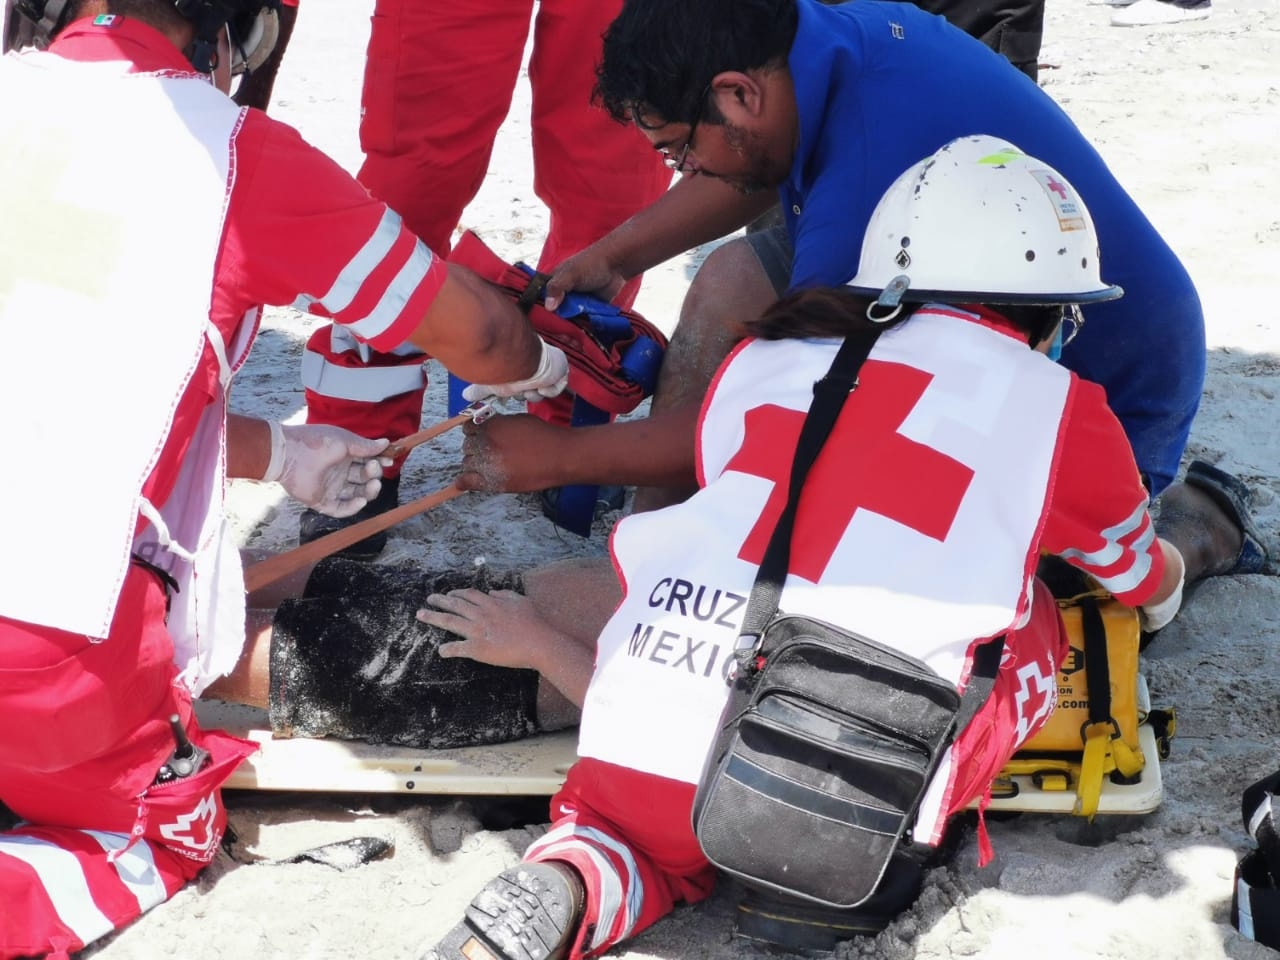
point(865, 464)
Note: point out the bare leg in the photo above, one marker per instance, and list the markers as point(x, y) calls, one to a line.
point(576, 597)
point(248, 682)
point(1207, 538)
point(273, 594)
point(729, 288)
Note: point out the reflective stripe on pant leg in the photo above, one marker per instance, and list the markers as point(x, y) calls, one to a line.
point(378, 397)
point(61, 890)
point(338, 366)
point(614, 885)
point(627, 835)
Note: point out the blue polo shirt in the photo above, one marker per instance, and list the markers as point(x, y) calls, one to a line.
point(880, 86)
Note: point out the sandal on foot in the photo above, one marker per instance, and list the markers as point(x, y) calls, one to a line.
point(1231, 494)
point(529, 912)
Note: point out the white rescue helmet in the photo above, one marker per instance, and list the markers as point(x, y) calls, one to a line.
point(252, 27)
point(980, 222)
point(253, 34)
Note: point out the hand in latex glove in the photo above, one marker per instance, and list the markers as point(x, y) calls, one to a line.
point(548, 380)
point(329, 469)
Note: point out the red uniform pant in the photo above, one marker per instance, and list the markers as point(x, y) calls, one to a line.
point(438, 83)
point(86, 730)
point(629, 834)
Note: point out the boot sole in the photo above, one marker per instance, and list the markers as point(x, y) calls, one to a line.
point(525, 913)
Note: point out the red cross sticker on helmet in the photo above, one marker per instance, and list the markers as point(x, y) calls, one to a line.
point(967, 225)
point(1065, 203)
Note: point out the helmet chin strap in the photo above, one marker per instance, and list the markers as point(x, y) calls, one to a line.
point(211, 17)
point(208, 17)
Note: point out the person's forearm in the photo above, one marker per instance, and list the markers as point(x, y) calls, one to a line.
point(695, 211)
point(477, 332)
point(248, 446)
point(565, 664)
point(653, 451)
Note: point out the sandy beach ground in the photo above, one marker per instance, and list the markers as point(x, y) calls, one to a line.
point(1189, 118)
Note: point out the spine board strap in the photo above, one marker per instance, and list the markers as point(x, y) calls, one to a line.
point(1255, 895)
point(614, 355)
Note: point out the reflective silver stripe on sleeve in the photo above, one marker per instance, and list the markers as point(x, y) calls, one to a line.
point(1127, 580)
point(354, 274)
point(391, 305)
point(366, 384)
point(1111, 550)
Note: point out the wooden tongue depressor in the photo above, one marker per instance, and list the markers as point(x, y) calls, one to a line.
point(479, 412)
point(280, 565)
point(273, 568)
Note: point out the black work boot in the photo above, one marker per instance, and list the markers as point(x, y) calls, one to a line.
point(804, 927)
point(529, 912)
point(313, 525)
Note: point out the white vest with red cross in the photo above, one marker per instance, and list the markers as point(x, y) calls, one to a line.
point(917, 528)
point(117, 269)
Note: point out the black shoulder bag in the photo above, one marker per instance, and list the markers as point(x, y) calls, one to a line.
point(829, 739)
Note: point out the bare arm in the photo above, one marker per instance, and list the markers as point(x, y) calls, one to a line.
point(478, 332)
point(517, 454)
point(696, 210)
point(248, 446)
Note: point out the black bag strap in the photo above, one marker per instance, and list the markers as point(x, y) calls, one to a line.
point(982, 679)
point(1097, 666)
point(829, 396)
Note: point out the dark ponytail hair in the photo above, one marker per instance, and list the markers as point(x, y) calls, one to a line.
point(817, 312)
point(840, 312)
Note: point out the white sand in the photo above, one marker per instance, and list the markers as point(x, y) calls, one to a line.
point(1189, 117)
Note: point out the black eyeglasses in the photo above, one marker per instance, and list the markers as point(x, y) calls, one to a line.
point(676, 163)
point(1072, 323)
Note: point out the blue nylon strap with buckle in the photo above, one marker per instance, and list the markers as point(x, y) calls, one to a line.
point(573, 507)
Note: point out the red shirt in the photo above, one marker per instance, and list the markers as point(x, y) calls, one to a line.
point(296, 226)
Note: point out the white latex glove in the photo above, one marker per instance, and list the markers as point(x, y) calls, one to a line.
point(1156, 615)
point(549, 379)
point(329, 469)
